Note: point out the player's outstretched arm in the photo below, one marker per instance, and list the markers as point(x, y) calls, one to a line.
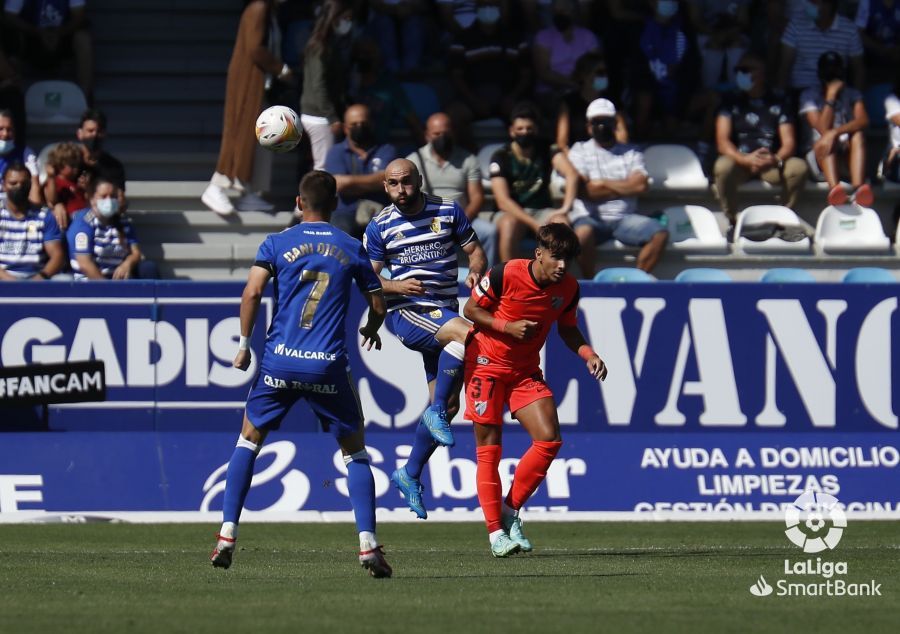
point(250, 299)
point(409, 286)
point(377, 312)
point(576, 342)
point(477, 262)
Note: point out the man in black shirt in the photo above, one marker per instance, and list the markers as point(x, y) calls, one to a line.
point(91, 134)
point(756, 139)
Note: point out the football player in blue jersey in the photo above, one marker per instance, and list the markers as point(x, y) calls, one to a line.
point(416, 238)
point(313, 266)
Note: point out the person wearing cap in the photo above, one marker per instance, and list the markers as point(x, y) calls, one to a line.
point(837, 118)
point(756, 138)
point(612, 176)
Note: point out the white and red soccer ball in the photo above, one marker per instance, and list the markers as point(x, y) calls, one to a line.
point(278, 129)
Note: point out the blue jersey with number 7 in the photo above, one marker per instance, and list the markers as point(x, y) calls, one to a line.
point(313, 266)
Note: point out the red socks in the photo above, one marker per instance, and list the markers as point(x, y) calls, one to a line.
point(487, 478)
point(530, 472)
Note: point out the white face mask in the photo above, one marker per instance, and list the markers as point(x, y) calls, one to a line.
point(489, 14)
point(108, 207)
point(744, 81)
point(343, 27)
point(7, 146)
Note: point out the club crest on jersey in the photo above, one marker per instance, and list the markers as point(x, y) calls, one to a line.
point(399, 236)
point(556, 301)
point(436, 225)
point(480, 407)
point(482, 360)
point(435, 314)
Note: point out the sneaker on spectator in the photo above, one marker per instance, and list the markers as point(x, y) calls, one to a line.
point(864, 196)
point(214, 198)
point(837, 195)
point(252, 202)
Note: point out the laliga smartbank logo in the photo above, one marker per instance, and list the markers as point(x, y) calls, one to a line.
point(815, 522)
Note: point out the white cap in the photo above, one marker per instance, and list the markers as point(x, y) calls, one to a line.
point(600, 108)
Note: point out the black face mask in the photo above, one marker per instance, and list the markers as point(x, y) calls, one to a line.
point(363, 135)
point(18, 195)
point(561, 21)
point(604, 132)
point(93, 144)
point(443, 145)
point(525, 141)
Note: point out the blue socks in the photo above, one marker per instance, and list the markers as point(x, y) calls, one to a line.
point(238, 478)
point(423, 446)
point(361, 485)
point(450, 364)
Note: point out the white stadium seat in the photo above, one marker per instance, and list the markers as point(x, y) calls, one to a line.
point(850, 229)
point(55, 102)
point(674, 167)
point(694, 228)
point(760, 214)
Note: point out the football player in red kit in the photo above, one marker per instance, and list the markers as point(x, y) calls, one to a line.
point(513, 308)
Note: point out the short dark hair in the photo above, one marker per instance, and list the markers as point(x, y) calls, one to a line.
point(15, 166)
point(559, 239)
point(94, 114)
point(318, 189)
point(94, 180)
point(586, 63)
point(524, 110)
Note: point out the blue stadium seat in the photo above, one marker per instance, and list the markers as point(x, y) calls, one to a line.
point(616, 275)
point(869, 275)
point(787, 276)
point(461, 274)
point(703, 275)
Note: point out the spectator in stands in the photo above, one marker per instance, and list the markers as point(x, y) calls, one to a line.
point(837, 118)
point(50, 32)
point(879, 28)
point(520, 181)
point(102, 242)
point(612, 176)
point(92, 136)
point(555, 52)
point(11, 96)
point(401, 28)
point(489, 69)
point(64, 190)
point(804, 42)
point(251, 61)
point(756, 138)
point(449, 171)
point(357, 164)
point(721, 38)
point(540, 14)
point(379, 89)
point(890, 167)
point(13, 152)
point(325, 78)
point(30, 240)
point(592, 76)
point(666, 80)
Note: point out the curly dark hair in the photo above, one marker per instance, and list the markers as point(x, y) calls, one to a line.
point(559, 239)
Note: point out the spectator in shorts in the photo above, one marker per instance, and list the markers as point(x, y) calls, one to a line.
point(756, 138)
point(612, 176)
point(451, 172)
point(64, 189)
point(357, 164)
point(837, 118)
point(102, 241)
point(520, 181)
point(12, 151)
point(52, 31)
point(30, 240)
point(592, 77)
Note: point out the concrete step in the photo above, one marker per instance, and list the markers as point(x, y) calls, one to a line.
point(128, 89)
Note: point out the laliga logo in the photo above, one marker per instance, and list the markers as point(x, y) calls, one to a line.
point(294, 483)
point(806, 520)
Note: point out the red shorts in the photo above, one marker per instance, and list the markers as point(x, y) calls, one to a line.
point(490, 388)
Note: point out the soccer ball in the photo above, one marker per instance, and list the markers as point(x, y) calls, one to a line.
point(278, 129)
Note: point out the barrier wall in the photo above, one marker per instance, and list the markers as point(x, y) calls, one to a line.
point(720, 398)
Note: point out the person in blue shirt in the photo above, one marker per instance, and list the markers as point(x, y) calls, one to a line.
point(102, 241)
point(358, 163)
point(13, 150)
point(416, 237)
point(313, 266)
point(30, 239)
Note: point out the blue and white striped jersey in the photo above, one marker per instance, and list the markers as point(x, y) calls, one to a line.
point(422, 247)
point(22, 240)
point(108, 244)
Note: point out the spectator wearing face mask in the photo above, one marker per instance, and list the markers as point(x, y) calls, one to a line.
point(612, 175)
point(756, 138)
point(592, 77)
point(357, 164)
point(30, 240)
point(102, 241)
point(14, 152)
point(92, 136)
point(451, 172)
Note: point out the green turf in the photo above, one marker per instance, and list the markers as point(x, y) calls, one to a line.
point(582, 577)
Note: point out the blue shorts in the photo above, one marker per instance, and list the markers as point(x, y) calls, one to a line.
point(416, 328)
point(332, 397)
point(631, 229)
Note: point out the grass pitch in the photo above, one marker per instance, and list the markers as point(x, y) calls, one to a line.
point(582, 577)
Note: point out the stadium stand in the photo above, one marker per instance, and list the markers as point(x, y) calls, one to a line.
point(694, 228)
point(773, 216)
point(55, 102)
point(674, 167)
point(850, 229)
